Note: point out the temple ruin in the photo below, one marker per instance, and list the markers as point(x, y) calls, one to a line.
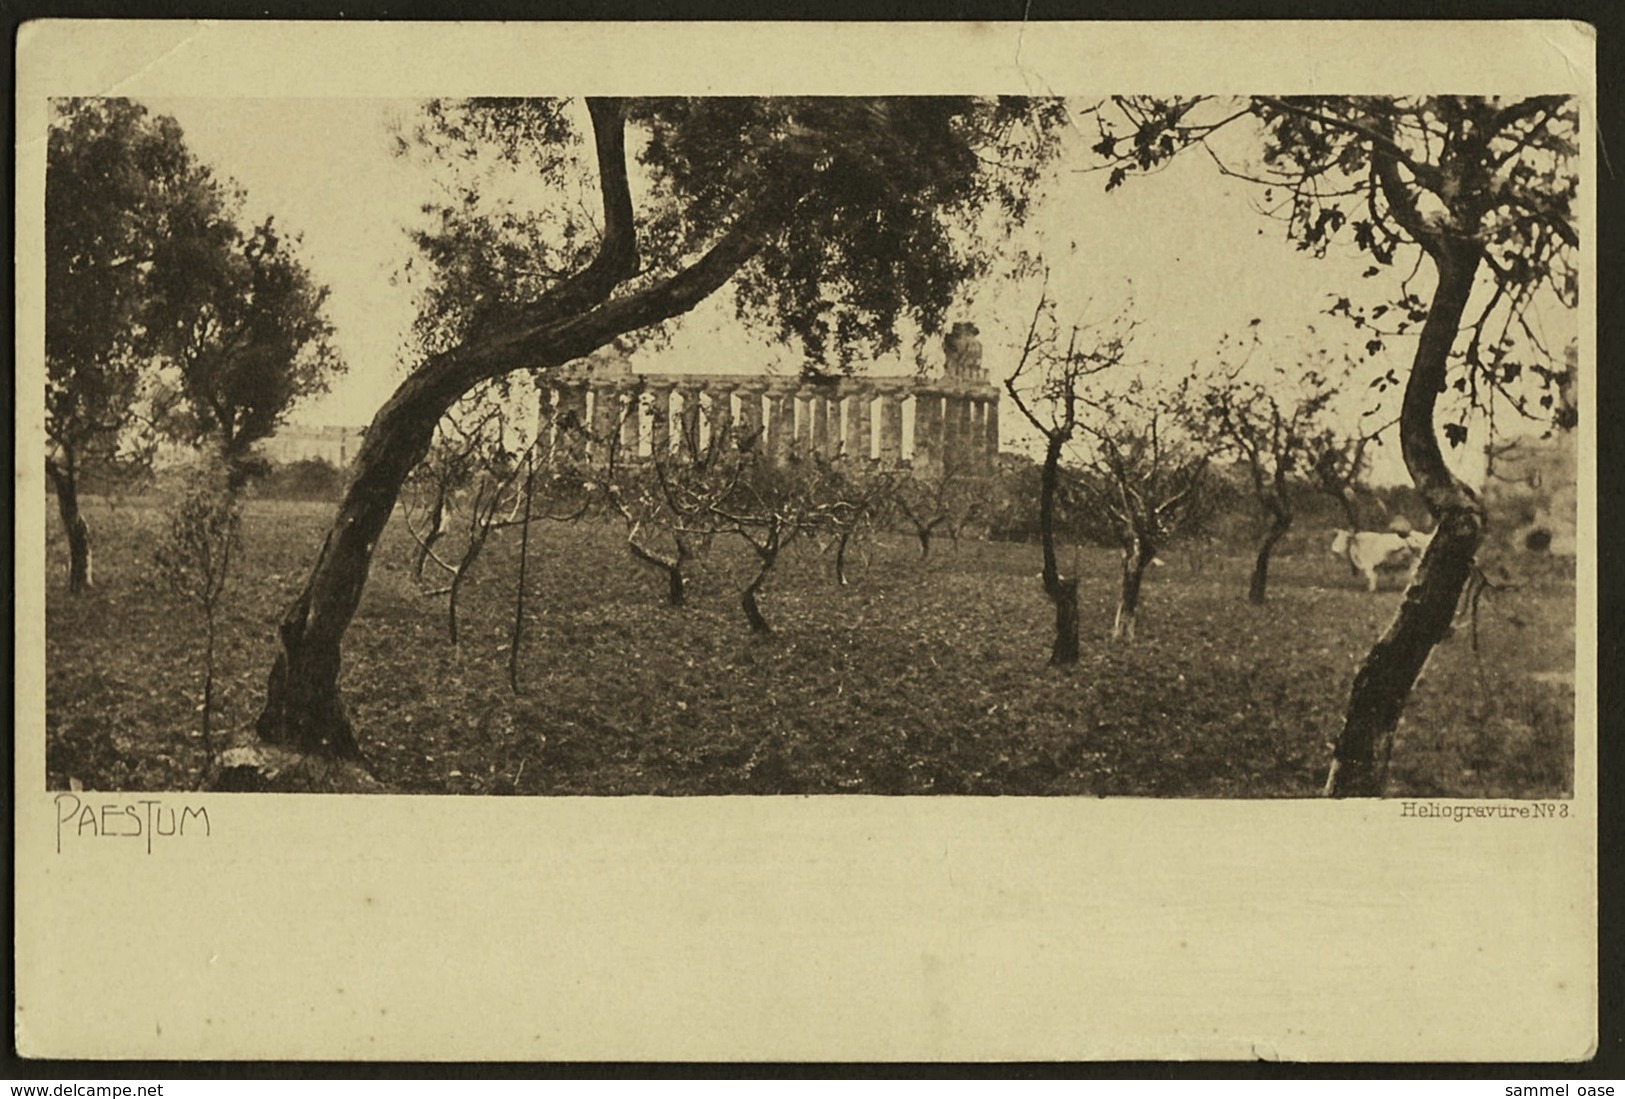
point(946, 421)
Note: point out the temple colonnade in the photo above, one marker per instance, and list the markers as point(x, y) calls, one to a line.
point(884, 420)
point(601, 408)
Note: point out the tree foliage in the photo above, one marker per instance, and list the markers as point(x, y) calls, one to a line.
point(145, 263)
point(119, 184)
point(864, 211)
point(247, 334)
point(1400, 178)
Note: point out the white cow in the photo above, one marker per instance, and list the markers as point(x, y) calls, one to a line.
point(1374, 551)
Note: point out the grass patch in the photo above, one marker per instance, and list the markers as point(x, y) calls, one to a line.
point(919, 677)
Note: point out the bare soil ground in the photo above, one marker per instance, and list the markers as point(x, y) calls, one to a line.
point(919, 677)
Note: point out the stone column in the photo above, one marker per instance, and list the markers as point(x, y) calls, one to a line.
point(969, 444)
point(802, 402)
point(927, 428)
point(858, 446)
point(820, 424)
point(977, 431)
point(547, 408)
point(659, 399)
point(780, 424)
point(689, 444)
point(722, 415)
point(891, 428)
point(991, 437)
point(571, 419)
point(631, 423)
point(750, 414)
point(606, 411)
point(953, 439)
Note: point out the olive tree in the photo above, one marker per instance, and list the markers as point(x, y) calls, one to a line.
point(833, 218)
point(246, 333)
point(119, 183)
point(1477, 190)
point(163, 318)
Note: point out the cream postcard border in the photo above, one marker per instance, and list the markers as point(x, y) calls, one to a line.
point(795, 928)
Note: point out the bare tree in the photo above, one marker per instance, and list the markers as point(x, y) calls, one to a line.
point(446, 472)
point(730, 488)
point(1143, 472)
point(1047, 386)
point(1278, 431)
point(196, 557)
point(853, 499)
point(566, 497)
point(647, 497)
point(943, 495)
point(470, 458)
point(1339, 470)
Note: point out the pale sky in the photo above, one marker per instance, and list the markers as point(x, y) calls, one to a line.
point(1198, 259)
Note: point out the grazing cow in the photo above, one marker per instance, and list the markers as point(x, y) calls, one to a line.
point(1372, 551)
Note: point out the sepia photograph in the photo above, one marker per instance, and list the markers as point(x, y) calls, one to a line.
point(814, 446)
point(848, 457)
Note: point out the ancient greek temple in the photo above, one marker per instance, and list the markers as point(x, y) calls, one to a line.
point(950, 421)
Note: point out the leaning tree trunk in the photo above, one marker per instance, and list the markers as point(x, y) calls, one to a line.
point(1261, 567)
point(671, 566)
point(437, 528)
point(65, 479)
point(1360, 759)
point(1137, 554)
point(747, 599)
point(923, 533)
point(1062, 591)
point(303, 709)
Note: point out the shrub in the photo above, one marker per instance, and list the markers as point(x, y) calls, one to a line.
point(195, 556)
point(306, 479)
